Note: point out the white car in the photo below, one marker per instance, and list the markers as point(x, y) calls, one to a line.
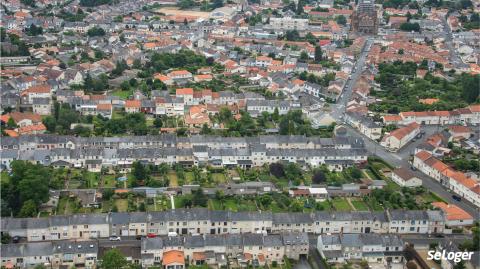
point(114, 238)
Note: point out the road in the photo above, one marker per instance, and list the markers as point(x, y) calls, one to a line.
point(401, 158)
point(454, 57)
point(338, 109)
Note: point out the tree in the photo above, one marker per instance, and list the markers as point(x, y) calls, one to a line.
point(34, 30)
point(407, 26)
point(139, 171)
point(277, 170)
point(29, 209)
point(95, 31)
point(11, 123)
point(470, 89)
point(460, 265)
point(292, 35)
point(304, 56)
point(319, 177)
point(411, 265)
point(113, 259)
point(318, 54)
point(341, 20)
point(355, 173)
point(199, 198)
point(157, 122)
point(205, 129)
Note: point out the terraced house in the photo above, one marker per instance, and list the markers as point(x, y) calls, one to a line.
point(200, 221)
point(97, 152)
point(237, 250)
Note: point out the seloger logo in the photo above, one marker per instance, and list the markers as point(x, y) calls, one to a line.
point(450, 256)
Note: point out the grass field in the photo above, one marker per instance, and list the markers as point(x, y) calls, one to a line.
point(341, 204)
point(4, 178)
point(109, 181)
point(359, 205)
point(122, 205)
point(218, 178)
point(122, 94)
point(173, 179)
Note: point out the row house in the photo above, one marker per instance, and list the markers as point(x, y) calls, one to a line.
point(54, 254)
point(416, 221)
point(468, 115)
point(201, 221)
point(256, 108)
point(464, 186)
point(171, 252)
point(374, 248)
point(364, 124)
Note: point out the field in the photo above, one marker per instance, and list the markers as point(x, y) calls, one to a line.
point(359, 205)
point(341, 204)
point(177, 12)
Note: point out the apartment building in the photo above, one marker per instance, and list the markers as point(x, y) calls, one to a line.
point(374, 248)
point(288, 23)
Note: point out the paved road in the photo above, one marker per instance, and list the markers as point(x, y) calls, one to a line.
point(454, 57)
point(422, 239)
point(338, 109)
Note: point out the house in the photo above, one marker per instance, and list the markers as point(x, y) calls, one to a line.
point(173, 259)
point(364, 124)
point(460, 132)
point(186, 94)
point(180, 76)
point(405, 177)
point(22, 119)
point(42, 106)
point(40, 91)
point(398, 138)
point(415, 222)
point(133, 106)
point(197, 116)
point(454, 215)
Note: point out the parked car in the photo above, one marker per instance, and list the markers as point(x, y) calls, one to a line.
point(15, 239)
point(114, 238)
point(151, 235)
point(456, 198)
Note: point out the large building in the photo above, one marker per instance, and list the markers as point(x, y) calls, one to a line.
point(364, 18)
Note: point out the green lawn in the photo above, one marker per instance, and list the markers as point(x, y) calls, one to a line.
point(218, 178)
point(109, 181)
point(341, 204)
point(122, 205)
point(359, 205)
point(214, 204)
point(173, 179)
point(431, 197)
point(122, 94)
point(92, 179)
point(66, 206)
point(325, 204)
point(189, 177)
point(392, 185)
point(4, 177)
point(230, 205)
